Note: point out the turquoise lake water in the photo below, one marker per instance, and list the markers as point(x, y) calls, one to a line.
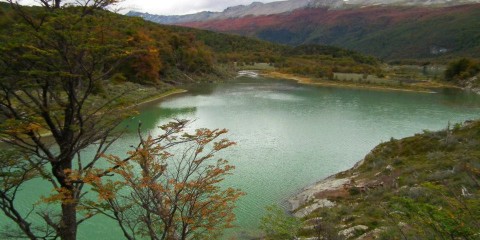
point(290, 135)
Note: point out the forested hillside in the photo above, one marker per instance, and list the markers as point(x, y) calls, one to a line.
point(167, 54)
point(389, 32)
point(307, 59)
point(154, 52)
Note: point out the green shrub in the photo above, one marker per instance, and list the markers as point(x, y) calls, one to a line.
point(278, 225)
point(462, 69)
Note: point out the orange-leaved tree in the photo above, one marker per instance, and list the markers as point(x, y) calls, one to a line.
point(169, 189)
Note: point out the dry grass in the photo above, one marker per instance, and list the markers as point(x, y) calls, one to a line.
point(366, 85)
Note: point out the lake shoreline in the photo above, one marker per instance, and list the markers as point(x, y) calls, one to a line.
point(143, 102)
point(311, 81)
point(158, 97)
point(348, 199)
point(304, 201)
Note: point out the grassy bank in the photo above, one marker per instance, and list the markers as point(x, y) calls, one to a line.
point(422, 187)
point(158, 97)
point(425, 87)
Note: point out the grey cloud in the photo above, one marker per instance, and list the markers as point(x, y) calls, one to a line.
point(178, 7)
point(174, 7)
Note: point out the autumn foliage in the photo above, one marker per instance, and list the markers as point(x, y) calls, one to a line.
point(169, 187)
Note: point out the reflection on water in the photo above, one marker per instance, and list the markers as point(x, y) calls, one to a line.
point(149, 117)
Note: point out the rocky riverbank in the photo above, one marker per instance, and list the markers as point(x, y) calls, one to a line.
point(426, 186)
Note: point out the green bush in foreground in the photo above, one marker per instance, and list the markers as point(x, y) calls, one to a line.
point(278, 225)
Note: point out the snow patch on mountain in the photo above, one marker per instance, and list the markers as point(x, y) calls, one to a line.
point(259, 9)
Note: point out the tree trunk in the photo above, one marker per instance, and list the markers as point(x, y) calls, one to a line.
point(68, 224)
point(67, 228)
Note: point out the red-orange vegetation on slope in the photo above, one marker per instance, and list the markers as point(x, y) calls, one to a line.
point(321, 16)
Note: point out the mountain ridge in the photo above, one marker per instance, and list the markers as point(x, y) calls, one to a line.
point(278, 7)
point(387, 32)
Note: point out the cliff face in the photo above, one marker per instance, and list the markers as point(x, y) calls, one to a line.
point(426, 186)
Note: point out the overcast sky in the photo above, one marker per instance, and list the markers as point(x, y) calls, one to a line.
point(176, 7)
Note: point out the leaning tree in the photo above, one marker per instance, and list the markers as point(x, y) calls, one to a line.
point(52, 63)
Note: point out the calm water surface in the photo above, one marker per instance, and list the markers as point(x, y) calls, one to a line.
point(292, 135)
